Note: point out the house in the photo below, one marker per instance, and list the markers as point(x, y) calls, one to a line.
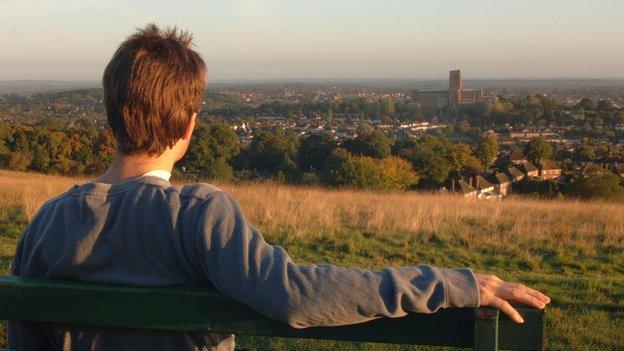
point(466, 189)
point(549, 170)
point(485, 189)
point(490, 196)
point(462, 187)
point(502, 183)
point(517, 157)
point(482, 185)
point(529, 169)
point(515, 174)
point(618, 168)
point(593, 169)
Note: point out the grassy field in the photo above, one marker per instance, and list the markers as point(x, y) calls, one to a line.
point(573, 251)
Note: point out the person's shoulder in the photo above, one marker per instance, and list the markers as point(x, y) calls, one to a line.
point(210, 200)
point(48, 207)
point(58, 198)
point(200, 191)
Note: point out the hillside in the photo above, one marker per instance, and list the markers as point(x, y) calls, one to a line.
point(573, 251)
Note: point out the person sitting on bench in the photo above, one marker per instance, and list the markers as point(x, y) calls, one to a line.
point(131, 226)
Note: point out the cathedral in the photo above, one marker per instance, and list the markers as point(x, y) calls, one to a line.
point(455, 96)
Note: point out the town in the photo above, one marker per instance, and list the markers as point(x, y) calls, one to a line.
point(487, 142)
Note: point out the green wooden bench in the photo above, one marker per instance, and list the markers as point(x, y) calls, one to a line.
point(195, 308)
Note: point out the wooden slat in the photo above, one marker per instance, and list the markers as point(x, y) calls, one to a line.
point(486, 330)
point(194, 308)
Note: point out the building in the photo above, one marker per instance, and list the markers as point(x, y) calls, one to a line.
point(593, 169)
point(618, 169)
point(485, 189)
point(482, 185)
point(529, 134)
point(549, 170)
point(515, 174)
point(463, 188)
point(529, 169)
point(466, 189)
point(517, 157)
point(502, 183)
point(455, 96)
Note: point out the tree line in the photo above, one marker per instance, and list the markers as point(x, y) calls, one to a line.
point(369, 161)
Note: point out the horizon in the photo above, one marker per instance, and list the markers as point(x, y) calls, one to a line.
point(34, 86)
point(363, 79)
point(253, 40)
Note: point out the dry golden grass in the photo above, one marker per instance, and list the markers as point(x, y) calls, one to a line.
point(315, 211)
point(31, 190)
point(572, 250)
point(321, 212)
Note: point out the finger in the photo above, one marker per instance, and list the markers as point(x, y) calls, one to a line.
point(527, 299)
point(543, 299)
point(537, 294)
point(515, 292)
point(506, 308)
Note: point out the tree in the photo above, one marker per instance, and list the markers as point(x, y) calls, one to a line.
point(587, 104)
point(431, 158)
point(360, 172)
point(333, 161)
point(369, 143)
point(5, 152)
point(537, 150)
point(388, 108)
point(313, 150)
point(605, 105)
point(463, 162)
point(397, 174)
point(543, 188)
point(329, 117)
point(585, 152)
point(271, 151)
point(213, 147)
point(488, 149)
point(60, 151)
point(19, 161)
point(475, 113)
point(104, 148)
point(343, 169)
point(597, 186)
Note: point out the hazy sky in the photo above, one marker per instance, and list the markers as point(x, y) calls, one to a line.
point(253, 39)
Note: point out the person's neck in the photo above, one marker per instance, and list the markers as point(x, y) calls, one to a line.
point(126, 167)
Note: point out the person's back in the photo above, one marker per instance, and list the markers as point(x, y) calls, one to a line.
point(139, 232)
point(131, 227)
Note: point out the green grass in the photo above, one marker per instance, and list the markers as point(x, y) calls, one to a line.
point(587, 288)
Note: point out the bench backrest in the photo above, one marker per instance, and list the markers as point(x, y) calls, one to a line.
point(200, 308)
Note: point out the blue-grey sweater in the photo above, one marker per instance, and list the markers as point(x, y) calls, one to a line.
point(146, 232)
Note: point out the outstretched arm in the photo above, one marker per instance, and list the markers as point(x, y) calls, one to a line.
point(237, 260)
point(241, 264)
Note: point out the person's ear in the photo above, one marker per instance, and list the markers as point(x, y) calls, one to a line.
point(189, 128)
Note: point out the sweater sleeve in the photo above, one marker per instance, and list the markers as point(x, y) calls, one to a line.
point(237, 261)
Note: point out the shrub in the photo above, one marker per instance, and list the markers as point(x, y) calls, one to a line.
point(363, 172)
point(597, 186)
point(397, 173)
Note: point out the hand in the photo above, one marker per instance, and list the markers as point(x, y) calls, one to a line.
point(496, 293)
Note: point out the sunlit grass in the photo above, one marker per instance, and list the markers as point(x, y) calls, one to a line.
point(572, 250)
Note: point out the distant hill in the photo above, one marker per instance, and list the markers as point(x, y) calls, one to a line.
point(28, 87)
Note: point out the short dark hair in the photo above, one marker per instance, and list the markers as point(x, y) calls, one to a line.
point(152, 86)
